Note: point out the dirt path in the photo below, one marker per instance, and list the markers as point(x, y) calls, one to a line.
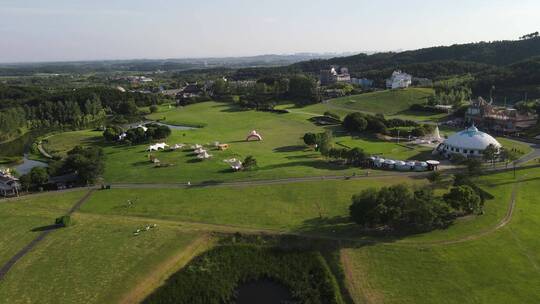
point(24, 251)
point(165, 269)
point(43, 152)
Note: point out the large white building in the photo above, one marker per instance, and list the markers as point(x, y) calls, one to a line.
point(399, 80)
point(469, 142)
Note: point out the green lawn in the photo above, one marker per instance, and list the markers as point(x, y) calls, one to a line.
point(281, 154)
point(391, 103)
point(97, 260)
point(19, 217)
point(386, 149)
point(292, 207)
point(60, 143)
point(502, 267)
point(510, 144)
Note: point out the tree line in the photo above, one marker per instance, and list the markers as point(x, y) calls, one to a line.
point(35, 108)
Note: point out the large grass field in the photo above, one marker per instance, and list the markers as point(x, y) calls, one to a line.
point(281, 154)
point(500, 267)
point(97, 260)
point(287, 207)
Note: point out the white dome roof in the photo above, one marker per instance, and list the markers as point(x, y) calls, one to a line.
point(471, 138)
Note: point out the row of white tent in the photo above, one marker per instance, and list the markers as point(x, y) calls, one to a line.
point(198, 149)
point(402, 165)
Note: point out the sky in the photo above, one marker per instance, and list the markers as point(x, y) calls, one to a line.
point(67, 30)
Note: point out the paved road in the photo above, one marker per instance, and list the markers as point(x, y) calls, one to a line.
point(19, 255)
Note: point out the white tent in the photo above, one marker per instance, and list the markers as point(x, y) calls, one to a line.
point(253, 135)
point(178, 146)
point(157, 146)
point(204, 155)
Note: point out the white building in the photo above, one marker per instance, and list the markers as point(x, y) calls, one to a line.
point(9, 185)
point(399, 80)
point(469, 142)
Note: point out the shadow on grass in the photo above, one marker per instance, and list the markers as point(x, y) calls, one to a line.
point(293, 148)
point(46, 228)
point(208, 183)
point(317, 164)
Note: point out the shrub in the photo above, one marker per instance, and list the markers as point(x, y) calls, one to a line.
point(63, 221)
point(355, 122)
point(153, 109)
point(250, 163)
point(464, 199)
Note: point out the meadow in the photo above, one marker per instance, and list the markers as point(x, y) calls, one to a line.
point(391, 103)
point(498, 267)
point(97, 260)
point(281, 154)
point(60, 143)
point(286, 207)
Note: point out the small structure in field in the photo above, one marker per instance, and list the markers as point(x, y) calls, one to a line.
point(223, 147)
point(178, 146)
point(253, 135)
point(204, 155)
point(234, 163)
point(157, 147)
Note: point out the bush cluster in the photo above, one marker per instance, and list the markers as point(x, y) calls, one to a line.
point(399, 207)
point(213, 276)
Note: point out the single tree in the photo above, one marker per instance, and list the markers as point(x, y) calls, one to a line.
point(463, 198)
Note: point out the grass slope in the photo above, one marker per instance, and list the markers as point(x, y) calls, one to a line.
point(502, 267)
point(389, 102)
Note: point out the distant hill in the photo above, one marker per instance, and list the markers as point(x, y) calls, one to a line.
point(497, 53)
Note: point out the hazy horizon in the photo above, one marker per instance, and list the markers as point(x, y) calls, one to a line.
point(42, 31)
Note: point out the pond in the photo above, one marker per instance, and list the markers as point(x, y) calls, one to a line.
point(19, 147)
point(263, 291)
